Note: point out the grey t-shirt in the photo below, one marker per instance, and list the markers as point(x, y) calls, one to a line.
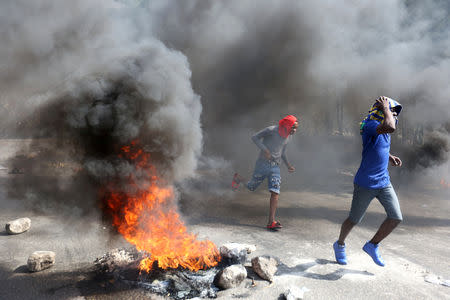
point(270, 139)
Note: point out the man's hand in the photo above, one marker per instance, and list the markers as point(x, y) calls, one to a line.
point(291, 169)
point(267, 154)
point(383, 103)
point(395, 161)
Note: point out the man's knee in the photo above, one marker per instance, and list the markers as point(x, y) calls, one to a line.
point(396, 221)
point(350, 222)
point(251, 187)
point(354, 219)
point(395, 216)
point(255, 182)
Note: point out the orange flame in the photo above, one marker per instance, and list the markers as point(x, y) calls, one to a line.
point(147, 218)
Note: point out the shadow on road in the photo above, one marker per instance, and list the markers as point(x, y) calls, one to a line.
point(51, 284)
point(237, 214)
point(22, 270)
point(302, 268)
point(370, 219)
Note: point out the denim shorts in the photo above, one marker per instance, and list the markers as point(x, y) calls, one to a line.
point(265, 168)
point(363, 196)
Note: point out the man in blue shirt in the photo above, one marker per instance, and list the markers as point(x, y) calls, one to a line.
point(372, 179)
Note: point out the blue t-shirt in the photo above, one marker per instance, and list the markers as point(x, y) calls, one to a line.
point(373, 171)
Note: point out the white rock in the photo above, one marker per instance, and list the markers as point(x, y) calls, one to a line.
point(231, 277)
point(445, 282)
point(265, 267)
point(437, 280)
point(41, 260)
point(236, 253)
point(18, 226)
point(295, 293)
point(432, 279)
point(236, 246)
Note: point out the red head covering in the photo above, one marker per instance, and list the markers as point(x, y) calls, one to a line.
point(285, 125)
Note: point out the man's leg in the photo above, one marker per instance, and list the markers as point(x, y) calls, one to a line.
point(361, 200)
point(345, 230)
point(389, 200)
point(274, 184)
point(385, 229)
point(259, 174)
point(273, 207)
point(236, 182)
point(239, 178)
point(339, 245)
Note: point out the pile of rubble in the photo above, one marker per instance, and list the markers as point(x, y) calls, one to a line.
point(122, 264)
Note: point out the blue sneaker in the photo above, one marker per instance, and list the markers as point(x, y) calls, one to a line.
point(372, 250)
point(339, 253)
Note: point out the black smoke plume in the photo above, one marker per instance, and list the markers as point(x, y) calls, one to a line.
point(99, 75)
point(82, 85)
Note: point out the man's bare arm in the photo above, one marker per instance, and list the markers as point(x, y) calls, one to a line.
point(290, 167)
point(388, 126)
point(257, 139)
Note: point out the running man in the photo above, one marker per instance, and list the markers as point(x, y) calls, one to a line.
point(272, 142)
point(372, 179)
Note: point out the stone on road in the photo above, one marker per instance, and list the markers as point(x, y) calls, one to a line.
point(236, 253)
point(231, 277)
point(40, 260)
point(294, 293)
point(265, 267)
point(18, 226)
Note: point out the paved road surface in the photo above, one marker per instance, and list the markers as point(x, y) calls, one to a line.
point(418, 248)
point(311, 216)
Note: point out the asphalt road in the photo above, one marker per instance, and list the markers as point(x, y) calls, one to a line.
point(419, 247)
point(311, 216)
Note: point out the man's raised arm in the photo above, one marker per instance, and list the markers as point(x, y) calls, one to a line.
point(388, 126)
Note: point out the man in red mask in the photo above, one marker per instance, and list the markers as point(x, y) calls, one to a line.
point(272, 141)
